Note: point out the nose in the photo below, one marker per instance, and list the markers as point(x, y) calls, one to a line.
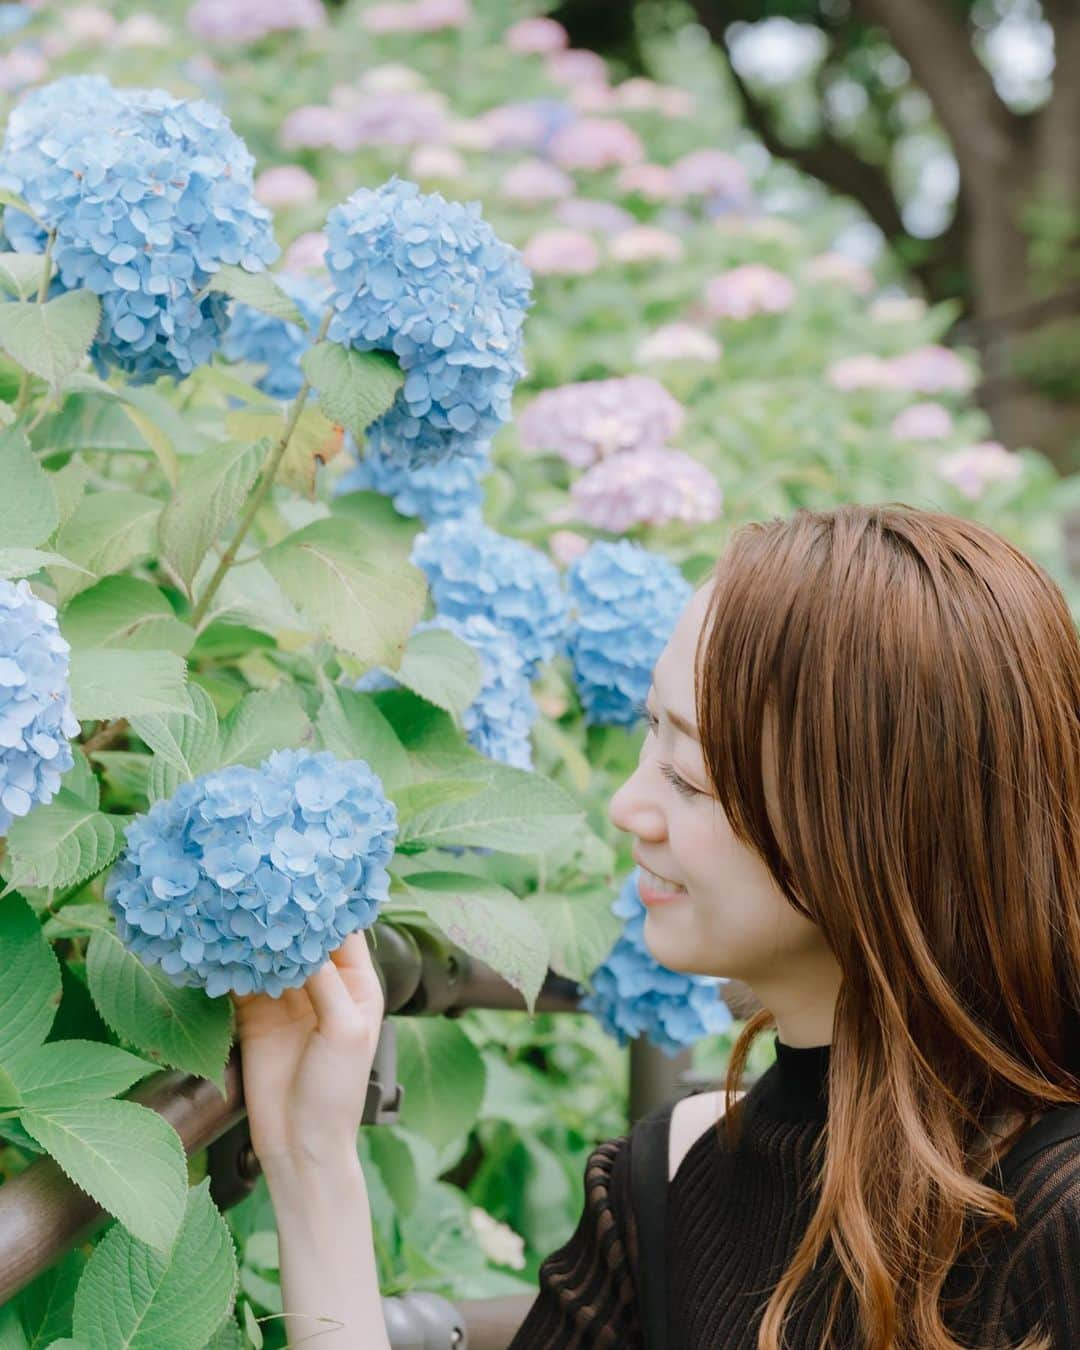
point(633, 809)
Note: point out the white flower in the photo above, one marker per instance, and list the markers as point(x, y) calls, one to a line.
point(498, 1242)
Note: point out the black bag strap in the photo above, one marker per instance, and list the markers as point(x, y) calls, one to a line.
point(1059, 1123)
point(648, 1192)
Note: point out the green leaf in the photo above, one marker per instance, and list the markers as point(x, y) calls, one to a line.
point(442, 1075)
point(80, 779)
point(260, 290)
point(28, 513)
point(516, 812)
point(65, 1073)
point(127, 612)
point(9, 1091)
point(12, 1335)
point(46, 1304)
point(440, 667)
point(416, 797)
point(24, 562)
point(76, 920)
point(489, 922)
point(69, 485)
point(142, 1299)
point(107, 682)
point(351, 725)
point(180, 1027)
point(50, 340)
point(63, 843)
point(20, 274)
point(107, 532)
point(581, 930)
point(9, 198)
point(263, 721)
point(183, 747)
point(29, 978)
point(363, 598)
point(314, 441)
point(354, 387)
point(126, 1156)
point(212, 489)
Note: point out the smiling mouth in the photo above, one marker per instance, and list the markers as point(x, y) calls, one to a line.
point(658, 882)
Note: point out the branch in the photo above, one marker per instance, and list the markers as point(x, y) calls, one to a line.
point(984, 133)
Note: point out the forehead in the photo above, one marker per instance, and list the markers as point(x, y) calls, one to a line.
point(674, 669)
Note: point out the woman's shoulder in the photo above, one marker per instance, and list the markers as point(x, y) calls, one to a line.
point(691, 1118)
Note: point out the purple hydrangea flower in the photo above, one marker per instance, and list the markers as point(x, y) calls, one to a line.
point(429, 280)
point(35, 703)
point(652, 486)
point(590, 419)
point(247, 879)
point(250, 20)
point(634, 995)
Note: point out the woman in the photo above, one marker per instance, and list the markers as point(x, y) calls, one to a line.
point(860, 795)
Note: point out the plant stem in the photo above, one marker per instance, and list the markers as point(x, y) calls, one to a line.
point(43, 289)
point(258, 496)
point(105, 735)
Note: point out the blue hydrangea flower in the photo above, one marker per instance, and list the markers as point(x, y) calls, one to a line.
point(247, 879)
point(35, 703)
point(255, 336)
point(472, 569)
point(634, 995)
point(149, 195)
point(498, 720)
point(428, 280)
point(625, 601)
point(452, 490)
point(13, 17)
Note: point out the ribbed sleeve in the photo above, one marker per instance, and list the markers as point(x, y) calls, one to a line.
point(587, 1299)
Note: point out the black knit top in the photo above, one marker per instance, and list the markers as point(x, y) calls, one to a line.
point(735, 1220)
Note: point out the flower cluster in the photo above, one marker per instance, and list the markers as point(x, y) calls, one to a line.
point(646, 244)
point(286, 185)
point(748, 290)
point(450, 491)
point(498, 720)
point(429, 280)
point(634, 995)
point(596, 143)
point(588, 213)
point(416, 16)
point(588, 420)
point(973, 468)
point(922, 422)
point(472, 569)
point(713, 174)
point(35, 704)
point(651, 486)
point(355, 118)
point(530, 125)
point(535, 180)
point(536, 36)
point(247, 879)
point(625, 601)
point(149, 196)
point(259, 337)
point(250, 20)
point(923, 370)
point(677, 342)
point(561, 253)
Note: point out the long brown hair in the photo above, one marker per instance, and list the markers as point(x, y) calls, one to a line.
point(920, 678)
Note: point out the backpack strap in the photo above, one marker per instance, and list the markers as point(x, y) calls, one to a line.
point(648, 1193)
point(1059, 1123)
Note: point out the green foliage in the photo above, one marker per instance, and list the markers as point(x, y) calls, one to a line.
point(354, 387)
point(50, 340)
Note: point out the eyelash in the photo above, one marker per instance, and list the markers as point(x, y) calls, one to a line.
point(679, 783)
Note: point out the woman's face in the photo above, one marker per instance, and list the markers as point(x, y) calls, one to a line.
point(732, 920)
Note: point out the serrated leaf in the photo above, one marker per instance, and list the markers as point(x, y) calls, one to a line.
point(46, 1303)
point(24, 562)
point(75, 920)
point(80, 779)
point(107, 532)
point(354, 387)
point(350, 724)
point(64, 1073)
point(180, 1027)
point(69, 485)
point(127, 612)
point(263, 721)
point(63, 843)
point(106, 682)
point(183, 747)
point(442, 1077)
point(28, 512)
point(50, 340)
point(20, 274)
point(30, 983)
point(440, 667)
point(581, 930)
point(123, 1154)
point(364, 599)
point(315, 441)
point(487, 921)
point(260, 290)
point(212, 488)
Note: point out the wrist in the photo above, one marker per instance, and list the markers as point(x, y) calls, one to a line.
point(307, 1169)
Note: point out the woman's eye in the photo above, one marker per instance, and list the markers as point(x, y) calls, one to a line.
point(678, 783)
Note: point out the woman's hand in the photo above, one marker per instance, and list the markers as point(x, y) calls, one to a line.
point(307, 1056)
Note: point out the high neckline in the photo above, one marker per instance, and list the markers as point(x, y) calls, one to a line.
point(795, 1088)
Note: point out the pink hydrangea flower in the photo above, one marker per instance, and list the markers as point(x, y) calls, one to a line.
point(923, 422)
point(711, 173)
point(654, 182)
point(436, 161)
point(750, 289)
point(535, 180)
point(470, 133)
point(591, 419)
point(575, 66)
point(933, 370)
point(390, 78)
point(249, 20)
point(307, 253)
point(522, 126)
point(596, 143)
point(561, 252)
point(586, 213)
point(314, 126)
point(416, 16)
point(536, 37)
point(653, 486)
point(566, 545)
point(843, 270)
point(678, 342)
point(972, 469)
point(646, 243)
point(286, 185)
point(864, 371)
point(23, 65)
point(143, 30)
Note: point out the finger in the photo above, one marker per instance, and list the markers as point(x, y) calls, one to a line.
point(332, 1002)
point(296, 1002)
point(353, 953)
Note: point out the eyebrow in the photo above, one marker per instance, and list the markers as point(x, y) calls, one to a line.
point(677, 721)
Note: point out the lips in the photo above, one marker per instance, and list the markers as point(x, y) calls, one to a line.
point(654, 871)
